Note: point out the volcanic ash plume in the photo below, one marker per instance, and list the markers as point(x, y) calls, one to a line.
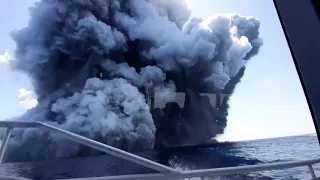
point(95, 64)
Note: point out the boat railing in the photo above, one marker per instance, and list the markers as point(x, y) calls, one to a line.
point(164, 172)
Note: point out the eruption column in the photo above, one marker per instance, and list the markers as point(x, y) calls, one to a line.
point(91, 62)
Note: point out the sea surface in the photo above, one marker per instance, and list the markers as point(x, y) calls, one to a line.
point(224, 155)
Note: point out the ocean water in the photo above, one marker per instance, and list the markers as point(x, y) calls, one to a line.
point(224, 155)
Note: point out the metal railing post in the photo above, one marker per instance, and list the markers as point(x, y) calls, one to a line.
point(313, 175)
point(5, 142)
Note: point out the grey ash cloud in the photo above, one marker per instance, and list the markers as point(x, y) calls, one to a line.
point(93, 62)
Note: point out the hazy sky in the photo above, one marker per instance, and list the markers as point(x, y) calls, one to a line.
point(269, 101)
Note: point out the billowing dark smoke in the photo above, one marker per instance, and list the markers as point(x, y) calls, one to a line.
point(102, 68)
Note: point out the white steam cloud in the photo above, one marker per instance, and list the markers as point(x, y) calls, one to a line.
point(5, 58)
point(28, 99)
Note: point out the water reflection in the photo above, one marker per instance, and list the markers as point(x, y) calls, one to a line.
point(186, 158)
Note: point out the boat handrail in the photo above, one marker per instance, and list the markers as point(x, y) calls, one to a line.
point(165, 172)
point(82, 140)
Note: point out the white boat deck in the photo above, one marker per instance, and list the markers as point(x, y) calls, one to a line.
point(165, 172)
